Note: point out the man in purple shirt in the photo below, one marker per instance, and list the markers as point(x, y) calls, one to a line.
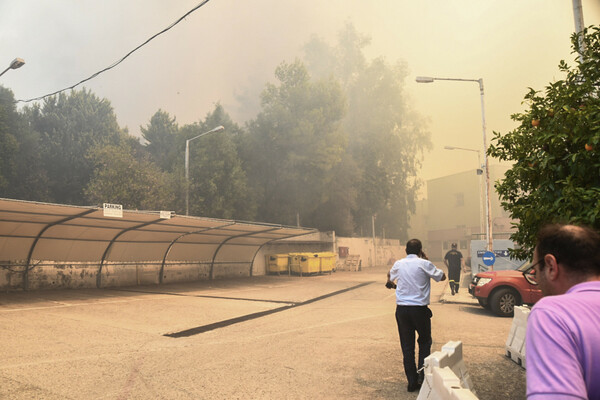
point(563, 328)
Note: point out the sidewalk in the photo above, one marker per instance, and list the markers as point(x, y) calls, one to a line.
point(463, 296)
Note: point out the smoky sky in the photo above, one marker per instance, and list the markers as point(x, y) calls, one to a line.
point(227, 50)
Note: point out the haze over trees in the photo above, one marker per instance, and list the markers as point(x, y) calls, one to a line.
point(292, 146)
point(333, 144)
point(384, 138)
point(555, 150)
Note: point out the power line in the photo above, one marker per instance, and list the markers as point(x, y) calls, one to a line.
point(119, 61)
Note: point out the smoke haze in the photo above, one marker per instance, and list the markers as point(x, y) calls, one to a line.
point(228, 49)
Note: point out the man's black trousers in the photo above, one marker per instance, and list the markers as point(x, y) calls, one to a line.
point(454, 278)
point(413, 319)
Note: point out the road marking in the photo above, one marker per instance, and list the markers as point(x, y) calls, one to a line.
point(208, 297)
point(65, 305)
point(221, 324)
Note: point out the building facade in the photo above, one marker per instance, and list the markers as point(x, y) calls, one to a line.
point(454, 211)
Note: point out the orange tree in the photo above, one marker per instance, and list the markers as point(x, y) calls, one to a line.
point(555, 150)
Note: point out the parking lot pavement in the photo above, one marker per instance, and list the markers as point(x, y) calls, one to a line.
point(270, 337)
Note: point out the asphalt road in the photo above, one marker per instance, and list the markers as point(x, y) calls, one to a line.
point(272, 337)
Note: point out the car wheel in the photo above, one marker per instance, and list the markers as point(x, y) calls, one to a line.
point(503, 302)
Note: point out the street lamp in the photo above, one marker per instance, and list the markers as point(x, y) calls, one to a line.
point(16, 63)
point(187, 165)
point(488, 233)
point(479, 172)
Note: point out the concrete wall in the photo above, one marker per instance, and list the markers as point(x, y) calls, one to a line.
point(455, 211)
point(371, 254)
point(49, 275)
point(385, 249)
point(316, 242)
point(77, 275)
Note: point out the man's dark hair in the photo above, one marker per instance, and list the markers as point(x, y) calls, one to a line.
point(414, 246)
point(576, 247)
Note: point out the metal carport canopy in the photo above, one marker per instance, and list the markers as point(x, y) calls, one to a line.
point(54, 232)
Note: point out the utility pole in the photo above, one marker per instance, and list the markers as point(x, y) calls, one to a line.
point(578, 16)
point(374, 245)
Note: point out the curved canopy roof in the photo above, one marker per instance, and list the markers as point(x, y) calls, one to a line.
point(41, 231)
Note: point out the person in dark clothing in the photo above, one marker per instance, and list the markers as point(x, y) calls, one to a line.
point(454, 261)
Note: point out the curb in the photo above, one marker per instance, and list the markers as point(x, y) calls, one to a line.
point(462, 297)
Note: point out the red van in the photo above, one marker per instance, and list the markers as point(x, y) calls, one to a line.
point(501, 291)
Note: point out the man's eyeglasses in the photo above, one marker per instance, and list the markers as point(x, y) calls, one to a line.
point(529, 273)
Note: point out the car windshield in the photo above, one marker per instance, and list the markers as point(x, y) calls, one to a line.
point(525, 266)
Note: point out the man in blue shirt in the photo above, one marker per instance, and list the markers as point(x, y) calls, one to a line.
point(412, 276)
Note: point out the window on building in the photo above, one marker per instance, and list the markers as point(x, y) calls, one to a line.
point(463, 244)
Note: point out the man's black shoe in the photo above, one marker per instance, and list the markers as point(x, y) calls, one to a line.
point(413, 387)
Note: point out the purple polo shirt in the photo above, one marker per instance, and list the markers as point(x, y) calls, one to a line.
point(563, 345)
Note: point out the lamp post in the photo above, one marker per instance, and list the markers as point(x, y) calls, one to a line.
point(16, 63)
point(578, 16)
point(374, 242)
point(479, 172)
point(488, 232)
point(187, 165)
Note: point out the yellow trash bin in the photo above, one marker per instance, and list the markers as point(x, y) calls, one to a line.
point(305, 263)
point(277, 263)
point(310, 263)
point(327, 260)
point(294, 260)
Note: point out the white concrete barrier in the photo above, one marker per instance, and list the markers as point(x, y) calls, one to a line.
point(446, 377)
point(515, 344)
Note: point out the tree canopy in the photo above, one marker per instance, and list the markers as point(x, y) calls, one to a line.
point(21, 173)
point(69, 126)
point(161, 137)
point(123, 177)
point(218, 184)
point(333, 144)
point(9, 144)
point(556, 172)
point(385, 138)
point(294, 143)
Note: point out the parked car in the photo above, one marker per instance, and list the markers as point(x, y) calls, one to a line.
point(501, 291)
